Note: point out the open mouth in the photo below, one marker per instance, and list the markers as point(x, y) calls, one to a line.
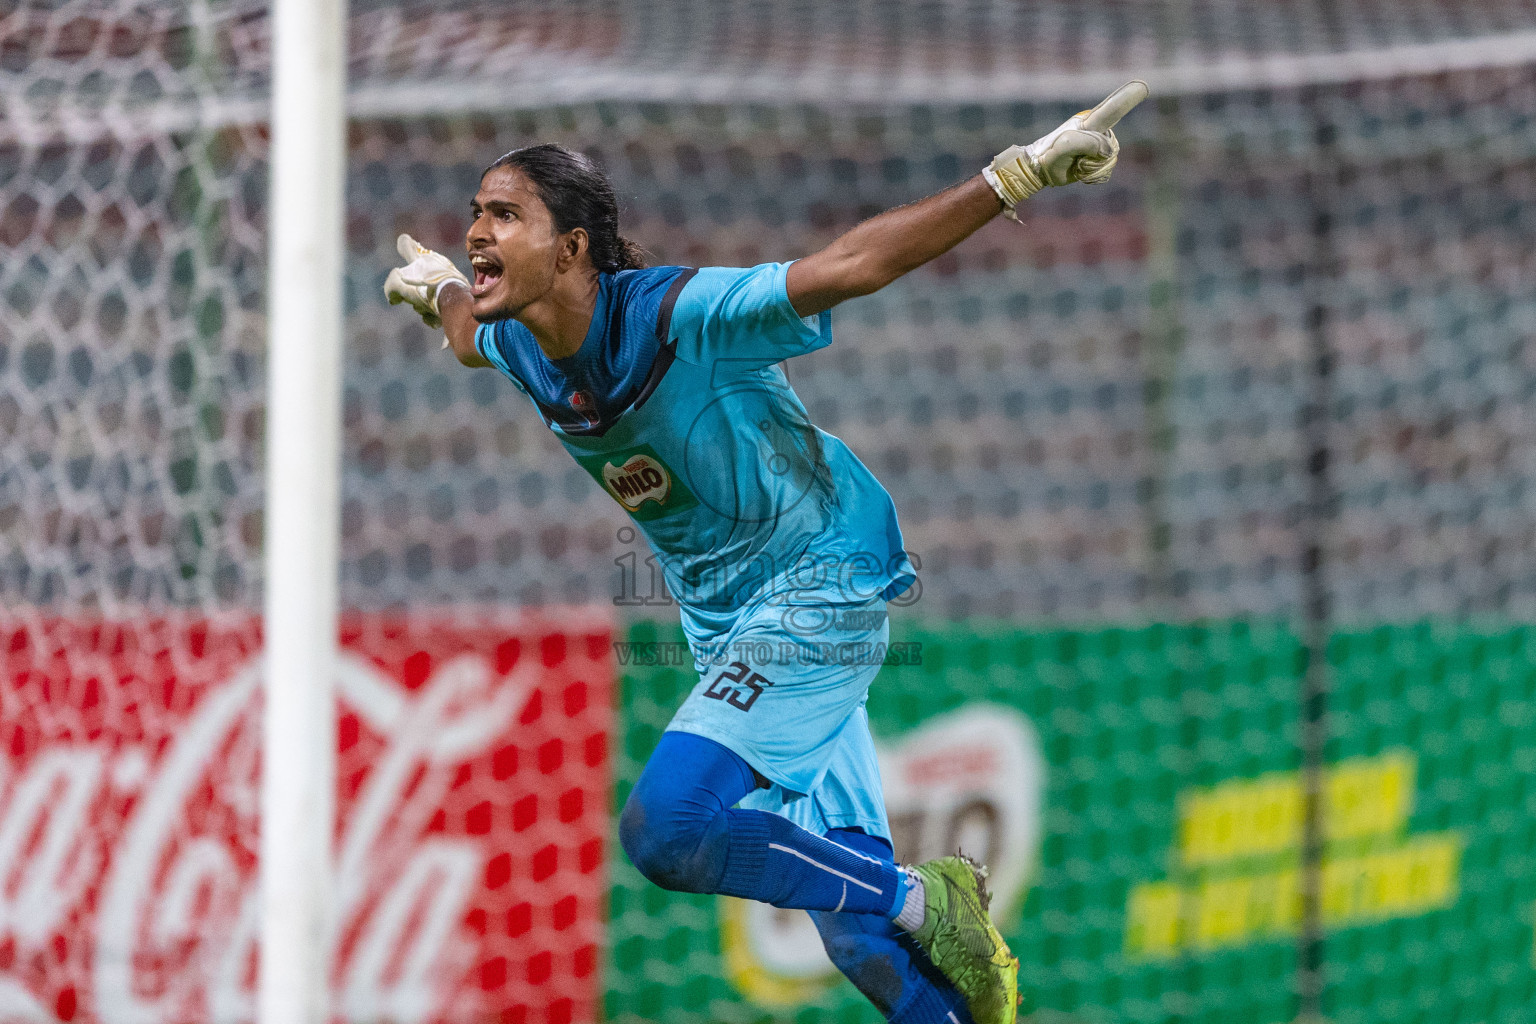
point(487, 272)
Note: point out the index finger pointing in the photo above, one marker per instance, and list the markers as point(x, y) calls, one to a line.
point(1116, 105)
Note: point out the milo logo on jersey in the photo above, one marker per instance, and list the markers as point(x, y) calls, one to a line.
point(637, 478)
point(638, 481)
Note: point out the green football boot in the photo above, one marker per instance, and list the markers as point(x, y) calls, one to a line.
point(958, 935)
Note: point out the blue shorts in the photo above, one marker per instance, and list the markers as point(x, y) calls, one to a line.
point(785, 690)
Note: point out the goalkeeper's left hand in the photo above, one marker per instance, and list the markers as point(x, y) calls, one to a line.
point(1083, 148)
point(421, 279)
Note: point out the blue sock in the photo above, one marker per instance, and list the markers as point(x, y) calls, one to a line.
point(883, 962)
point(679, 829)
point(902, 883)
point(776, 861)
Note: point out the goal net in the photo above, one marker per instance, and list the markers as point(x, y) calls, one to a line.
point(1218, 477)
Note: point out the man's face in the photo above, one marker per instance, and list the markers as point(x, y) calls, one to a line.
point(512, 245)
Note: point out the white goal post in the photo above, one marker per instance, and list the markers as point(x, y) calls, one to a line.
point(304, 341)
point(569, 80)
point(308, 112)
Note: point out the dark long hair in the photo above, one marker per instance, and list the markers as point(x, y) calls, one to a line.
point(578, 195)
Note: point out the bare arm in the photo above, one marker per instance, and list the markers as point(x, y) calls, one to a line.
point(883, 248)
point(459, 324)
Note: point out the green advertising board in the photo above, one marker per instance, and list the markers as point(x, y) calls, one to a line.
point(1137, 792)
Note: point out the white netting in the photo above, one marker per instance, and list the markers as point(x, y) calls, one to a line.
point(1101, 416)
point(132, 182)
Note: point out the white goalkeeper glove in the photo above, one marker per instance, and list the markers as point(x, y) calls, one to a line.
point(1083, 149)
point(420, 281)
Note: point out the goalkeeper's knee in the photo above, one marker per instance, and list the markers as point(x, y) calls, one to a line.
point(674, 826)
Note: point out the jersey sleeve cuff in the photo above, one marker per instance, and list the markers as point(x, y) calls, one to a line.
point(815, 329)
point(482, 333)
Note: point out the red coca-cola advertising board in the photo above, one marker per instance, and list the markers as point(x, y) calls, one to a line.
point(472, 811)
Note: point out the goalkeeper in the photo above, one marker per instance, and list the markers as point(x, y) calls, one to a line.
point(779, 545)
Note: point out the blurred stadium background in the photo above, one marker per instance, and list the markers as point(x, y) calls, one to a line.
point(1220, 476)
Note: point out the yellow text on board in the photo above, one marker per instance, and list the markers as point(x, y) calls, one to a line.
point(1236, 879)
point(1262, 817)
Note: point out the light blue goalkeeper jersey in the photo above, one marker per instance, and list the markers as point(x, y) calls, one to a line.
point(676, 405)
